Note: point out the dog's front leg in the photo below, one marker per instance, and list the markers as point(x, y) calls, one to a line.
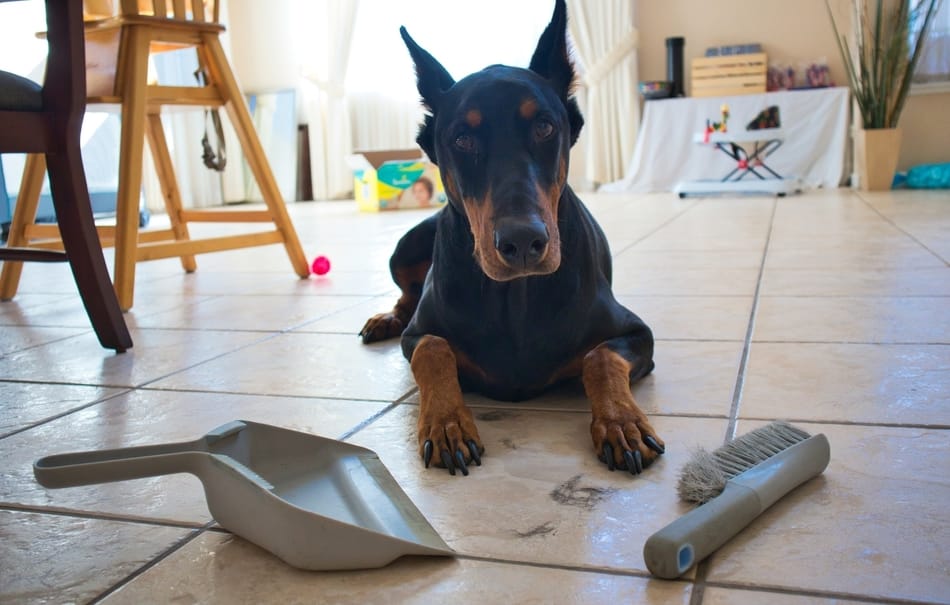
point(446, 426)
point(623, 437)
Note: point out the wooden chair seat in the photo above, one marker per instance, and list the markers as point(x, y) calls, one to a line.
point(117, 54)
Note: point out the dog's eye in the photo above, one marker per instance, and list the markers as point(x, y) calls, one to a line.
point(465, 142)
point(543, 130)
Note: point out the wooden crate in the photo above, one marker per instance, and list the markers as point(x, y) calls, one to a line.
point(729, 75)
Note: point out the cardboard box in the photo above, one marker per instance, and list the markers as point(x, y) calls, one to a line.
point(394, 179)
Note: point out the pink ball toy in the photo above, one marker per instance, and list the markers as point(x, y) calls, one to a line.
point(321, 265)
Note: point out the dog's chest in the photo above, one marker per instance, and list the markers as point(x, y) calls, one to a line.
point(518, 336)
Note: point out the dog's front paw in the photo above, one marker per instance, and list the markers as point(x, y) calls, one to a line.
point(380, 327)
point(448, 437)
point(625, 439)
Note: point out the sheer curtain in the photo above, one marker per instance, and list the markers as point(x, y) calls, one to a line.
point(606, 41)
point(326, 54)
point(934, 64)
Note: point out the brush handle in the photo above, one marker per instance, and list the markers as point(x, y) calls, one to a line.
point(670, 552)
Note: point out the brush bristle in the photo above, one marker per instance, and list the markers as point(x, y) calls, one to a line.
point(705, 475)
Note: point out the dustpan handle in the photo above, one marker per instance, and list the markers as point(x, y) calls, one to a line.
point(104, 466)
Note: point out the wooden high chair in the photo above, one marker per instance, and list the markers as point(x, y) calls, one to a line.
point(117, 57)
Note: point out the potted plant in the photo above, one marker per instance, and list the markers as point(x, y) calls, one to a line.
point(880, 56)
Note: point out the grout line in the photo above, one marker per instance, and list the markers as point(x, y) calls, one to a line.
point(702, 569)
point(891, 222)
point(77, 514)
point(628, 573)
point(856, 424)
point(616, 253)
point(815, 593)
point(747, 346)
point(158, 389)
point(192, 535)
point(123, 391)
point(368, 421)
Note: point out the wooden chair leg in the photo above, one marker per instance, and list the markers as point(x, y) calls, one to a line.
point(166, 177)
point(236, 107)
point(131, 147)
point(81, 241)
point(24, 215)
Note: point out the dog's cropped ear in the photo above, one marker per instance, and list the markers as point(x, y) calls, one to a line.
point(431, 78)
point(552, 62)
point(550, 59)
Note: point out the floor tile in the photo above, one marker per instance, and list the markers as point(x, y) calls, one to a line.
point(727, 596)
point(864, 255)
point(635, 258)
point(248, 312)
point(12, 311)
point(879, 282)
point(207, 283)
point(60, 559)
point(46, 279)
point(874, 524)
point(307, 365)
point(684, 282)
point(351, 319)
point(541, 496)
point(220, 569)
point(691, 378)
point(852, 319)
point(893, 384)
point(693, 317)
point(15, 338)
point(154, 353)
point(153, 417)
point(24, 404)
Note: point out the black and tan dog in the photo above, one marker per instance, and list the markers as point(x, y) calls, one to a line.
point(507, 290)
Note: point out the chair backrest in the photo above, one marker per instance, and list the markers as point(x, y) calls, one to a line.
point(204, 11)
point(64, 84)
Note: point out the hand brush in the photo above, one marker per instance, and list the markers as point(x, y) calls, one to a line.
point(733, 486)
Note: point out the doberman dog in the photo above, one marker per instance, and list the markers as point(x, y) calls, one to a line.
point(507, 289)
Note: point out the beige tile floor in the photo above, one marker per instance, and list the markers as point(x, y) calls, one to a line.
point(830, 309)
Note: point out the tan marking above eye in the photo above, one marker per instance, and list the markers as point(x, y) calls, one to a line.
point(528, 108)
point(473, 118)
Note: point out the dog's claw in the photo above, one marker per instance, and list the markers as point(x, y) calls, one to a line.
point(609, 456)
point(634, 462)
point(460, 462)
point(447, 461)
point(427, 452)
point(653, 445)
point(473, 450)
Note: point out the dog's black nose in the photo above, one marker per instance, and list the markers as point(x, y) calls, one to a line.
point(521, 242)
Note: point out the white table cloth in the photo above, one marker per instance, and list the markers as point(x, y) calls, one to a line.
point(814, 125)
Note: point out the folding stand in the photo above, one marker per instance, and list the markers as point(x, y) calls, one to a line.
point(749, 149)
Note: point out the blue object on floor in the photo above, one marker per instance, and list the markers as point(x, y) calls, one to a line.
point(929, 176)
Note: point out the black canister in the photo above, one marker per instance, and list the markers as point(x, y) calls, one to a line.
point(674, 66)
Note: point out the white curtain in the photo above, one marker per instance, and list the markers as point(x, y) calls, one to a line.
point(330, 25)
point(381, 121)
point(934, 64)
point(605, 39)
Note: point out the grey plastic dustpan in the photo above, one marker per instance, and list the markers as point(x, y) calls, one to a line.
point(314, 502)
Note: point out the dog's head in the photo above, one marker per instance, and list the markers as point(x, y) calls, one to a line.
point(501, 138)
